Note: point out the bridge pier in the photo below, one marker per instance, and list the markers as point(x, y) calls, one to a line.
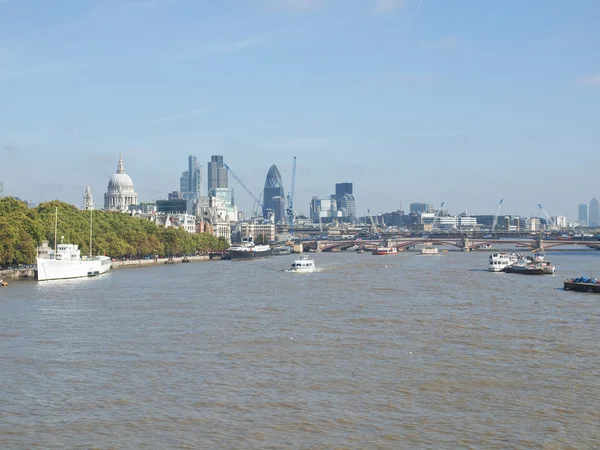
point(465, 245)
point(539, 244)
point(319, 246)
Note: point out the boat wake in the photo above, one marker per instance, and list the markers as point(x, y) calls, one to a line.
point(316, 269)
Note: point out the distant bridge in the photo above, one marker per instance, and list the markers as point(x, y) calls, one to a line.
point(465, 244)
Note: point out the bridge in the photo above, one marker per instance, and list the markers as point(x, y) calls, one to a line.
point(465, 244)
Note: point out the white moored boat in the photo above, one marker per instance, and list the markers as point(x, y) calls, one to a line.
point(65, 261)
point(498, 261)
point(303, 264)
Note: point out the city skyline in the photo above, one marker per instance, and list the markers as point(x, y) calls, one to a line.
point(457, 102)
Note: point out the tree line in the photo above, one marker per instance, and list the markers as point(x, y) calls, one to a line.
point(115, 234)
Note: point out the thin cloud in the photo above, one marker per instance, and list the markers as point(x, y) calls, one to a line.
point(388, 6)
point(295, 5)
point(590, 80)
point(446, 42)
point(242, 130)
point(181, 116)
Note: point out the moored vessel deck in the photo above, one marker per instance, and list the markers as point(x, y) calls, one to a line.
point(582, 284)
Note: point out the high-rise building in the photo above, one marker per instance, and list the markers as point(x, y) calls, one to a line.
point(582, 217)
point(183, 184)
point(420, 208)
point(346, 205)
point(274, 188)
point(345, 200)
point(217, 173)
point(594, 214)
point(325, 208)
point(195, 178)
point(342, 188)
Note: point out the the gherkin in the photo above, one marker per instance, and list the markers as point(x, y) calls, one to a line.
point(274, 196)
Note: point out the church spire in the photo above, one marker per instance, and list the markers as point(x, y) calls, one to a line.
point(120, 166)
point(88, 202)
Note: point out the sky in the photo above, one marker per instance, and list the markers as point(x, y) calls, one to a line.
point(458, 101)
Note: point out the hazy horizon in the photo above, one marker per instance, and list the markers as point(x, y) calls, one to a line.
point(459, 102)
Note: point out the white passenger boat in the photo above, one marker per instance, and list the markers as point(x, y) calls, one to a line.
point(501, 260)
point(385, 251)
point(65, 261)
point(303, 264)
point(429, 250)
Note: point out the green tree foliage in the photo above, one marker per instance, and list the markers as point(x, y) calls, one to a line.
point(113, 234)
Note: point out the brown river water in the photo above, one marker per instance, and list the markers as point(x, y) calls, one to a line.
point(368, 352)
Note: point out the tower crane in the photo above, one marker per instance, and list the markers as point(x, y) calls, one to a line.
point(437, 216)
point(372, 222)
point(256, 199)
point(256, 205)
point(549, 220)
point(495, 223)
point(290, 200)
point(320, 221)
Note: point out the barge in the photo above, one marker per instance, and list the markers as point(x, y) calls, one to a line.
point(582, 284)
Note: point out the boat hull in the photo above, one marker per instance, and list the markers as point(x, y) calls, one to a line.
point(236, 255)
point(528, 270)
point(581, 286)
point(50, 269)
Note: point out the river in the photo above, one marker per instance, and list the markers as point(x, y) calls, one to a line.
point(369, 352)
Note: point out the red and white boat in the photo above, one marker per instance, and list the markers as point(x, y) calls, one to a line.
point(385, 251)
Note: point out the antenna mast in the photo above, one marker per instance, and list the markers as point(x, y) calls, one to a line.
point(55, 230)
point(91, 233)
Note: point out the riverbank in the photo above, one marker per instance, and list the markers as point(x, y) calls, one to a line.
point(151, 262)
point(17, 274)
point(29, 272)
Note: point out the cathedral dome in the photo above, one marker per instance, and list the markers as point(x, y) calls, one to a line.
point(120, 193)
point(120, 180)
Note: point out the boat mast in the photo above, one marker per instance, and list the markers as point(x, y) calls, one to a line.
point(91, 233)
point(55, 229)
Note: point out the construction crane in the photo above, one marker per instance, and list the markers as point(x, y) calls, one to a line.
point(495, 223)
point(290, 200)
point(256, 199)
point(372, 222)
point(437, 216)
point(320, 220)
point(256, 205)
point(549, 220)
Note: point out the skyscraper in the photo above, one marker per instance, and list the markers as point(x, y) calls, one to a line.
point(183, 184)
point(582, 217)
point(346, 205)
point(217, 173)
point(417, 208)
point(594, 214)
point(274, 189)
point(195, 178)
point(342, 188)
point(345, 202)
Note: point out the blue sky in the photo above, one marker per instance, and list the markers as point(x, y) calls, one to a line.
point(456, 101)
